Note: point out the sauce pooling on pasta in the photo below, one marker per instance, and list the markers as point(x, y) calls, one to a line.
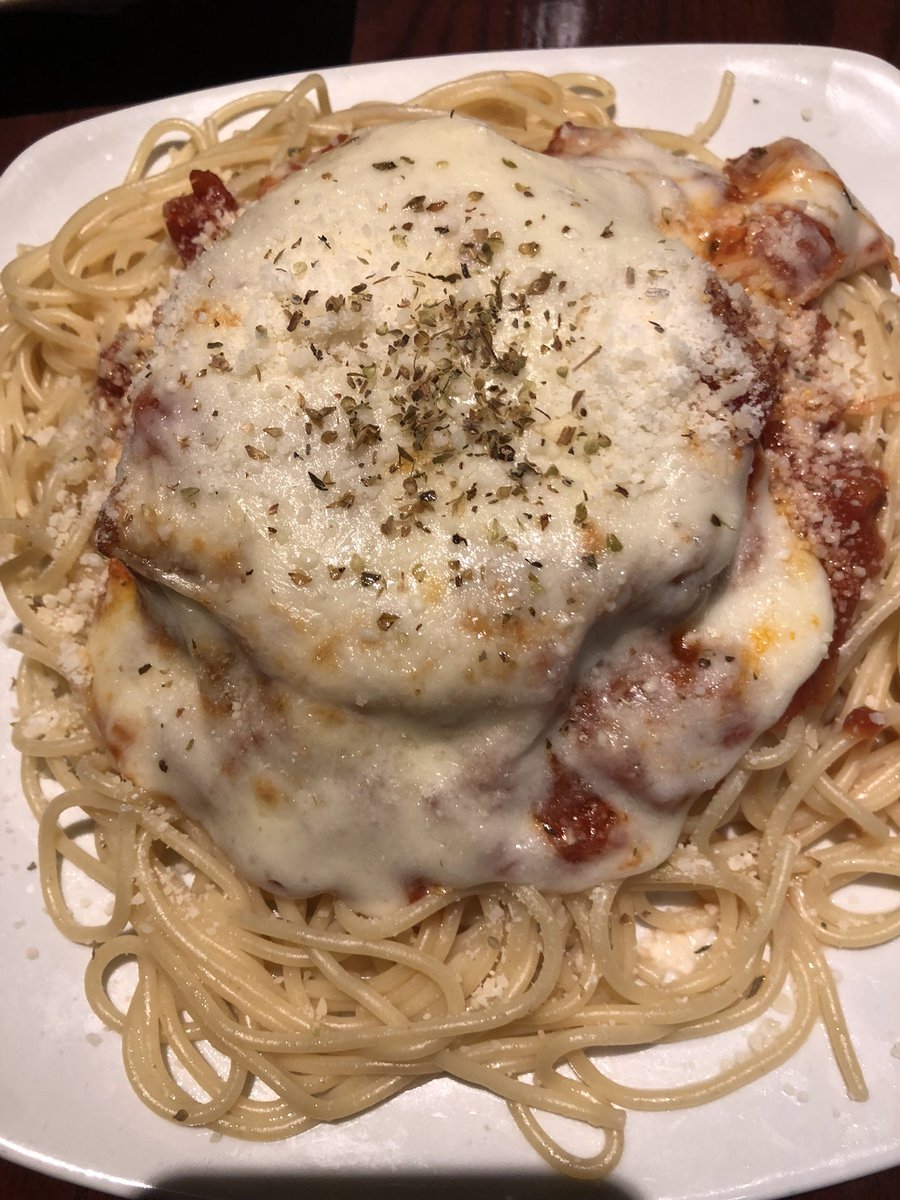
point(443, 544)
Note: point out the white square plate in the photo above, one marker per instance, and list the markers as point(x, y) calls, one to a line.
point(65, 1106)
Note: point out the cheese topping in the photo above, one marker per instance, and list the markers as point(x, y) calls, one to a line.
point(445, 562)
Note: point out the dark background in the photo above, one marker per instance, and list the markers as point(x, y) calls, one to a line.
point(63, 54)
point(113, 52)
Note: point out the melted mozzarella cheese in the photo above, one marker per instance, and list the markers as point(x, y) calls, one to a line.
point(435, 445)
point(778, 219)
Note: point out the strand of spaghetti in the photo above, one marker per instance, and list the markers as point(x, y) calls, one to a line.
point(105, 958)
point(292, 110)
point(720, 809)
point(165, 130)
point(358, 989)
point(606, 1032)
point(810, 767)
point(763, 1062)
point(872, 681)
point(512, 1056)
point(318, 1065)
point(232, 986)
point(99, 777)
point(253, 993)
point(580, 84)
point(142, 1048)
point(536, 95)
point(262, 1121)
point(140, 201)
point(224, 1092)
point(237, 978)
point(76, 334)
point(879, 620)
point(67, 848)
point(557, 1046)
point(34, 690)
point(57, 479)
point(763, 991)
point(389, 924)
point(36, 540)
point(223, 1034)
point(582, 1167)
point(710, 126)
point(713, 977)
point(765, 758)
point(22, 275)
point(714, 969)
point(439, 935)
point(110, 253)
point(524, 959)
point(53, 576)
point(755, 936)
point(272, 932)
point(846, 806)
point(190, 842)
point(832, 1013)
point(58, 398)
point(414, 992)
point(21, 606)
point(577, 1063)
point(879, 785)
point(33, 779)
point(837, 926)
point(477, 965)
point(578, 1104)
point(868, 310)
point(144, 1059)
point(316, 947)
point(113, 877)
point(279, 103)
point(566, 1006)
point(32, 652)
point(20, 282)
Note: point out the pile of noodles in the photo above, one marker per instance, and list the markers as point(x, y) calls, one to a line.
point(259, 1016)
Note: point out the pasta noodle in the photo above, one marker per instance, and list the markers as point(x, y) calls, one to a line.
point(259, 1016)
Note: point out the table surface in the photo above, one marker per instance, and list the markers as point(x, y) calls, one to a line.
point(392, 29)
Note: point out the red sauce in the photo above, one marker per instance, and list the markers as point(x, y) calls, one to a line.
point(686, 657)
point(118, 364)
point(754, 173)
point(853, 500)
point(577, 821)
point(580, 141)
point(106, 534)
point(849, 495)
point(416, 889)
point(762, 390)
point(863, 723)
point(149, 414)
point(187, 217)
point(296, 163)
point(783, 252)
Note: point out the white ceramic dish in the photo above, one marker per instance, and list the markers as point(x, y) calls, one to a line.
point(65, 1106)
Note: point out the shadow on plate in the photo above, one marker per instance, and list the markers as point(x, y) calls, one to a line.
point(255, 1185)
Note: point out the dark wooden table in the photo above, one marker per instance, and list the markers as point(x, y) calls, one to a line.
point(392, 29)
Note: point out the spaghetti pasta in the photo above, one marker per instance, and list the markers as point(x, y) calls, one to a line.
point(259, 1015)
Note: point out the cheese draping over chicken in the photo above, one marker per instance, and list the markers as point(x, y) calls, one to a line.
point(442, 542)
